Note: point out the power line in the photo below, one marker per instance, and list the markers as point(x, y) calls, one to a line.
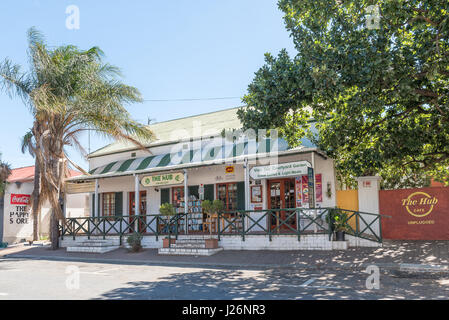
point(191, 99)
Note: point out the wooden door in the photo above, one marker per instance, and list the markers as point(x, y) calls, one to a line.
point(142, 209)
point(282, 196)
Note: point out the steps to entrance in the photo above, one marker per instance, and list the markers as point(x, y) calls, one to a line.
point(189, 247)
point(93, 246)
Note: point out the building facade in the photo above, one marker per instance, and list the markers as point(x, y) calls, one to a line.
point(259, 178)
point(16, 217)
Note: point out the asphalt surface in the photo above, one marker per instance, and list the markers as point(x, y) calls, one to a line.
point(53, 280)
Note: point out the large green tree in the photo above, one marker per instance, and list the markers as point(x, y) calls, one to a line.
point(374, 75)
point(68, 91)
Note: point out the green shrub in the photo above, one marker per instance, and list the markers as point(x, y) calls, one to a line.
point(167, 209)
point(212, 206)
point(135, 242)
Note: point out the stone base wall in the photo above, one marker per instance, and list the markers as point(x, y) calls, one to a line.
point(251, 242)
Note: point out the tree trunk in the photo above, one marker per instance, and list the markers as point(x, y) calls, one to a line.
point(36, 195)
point(54, 231)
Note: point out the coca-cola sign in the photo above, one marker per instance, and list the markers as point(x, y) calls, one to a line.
point(20, 199)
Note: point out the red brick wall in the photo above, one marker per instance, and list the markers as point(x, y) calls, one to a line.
point(416, 214)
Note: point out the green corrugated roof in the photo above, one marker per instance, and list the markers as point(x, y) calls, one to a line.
point(208, 124)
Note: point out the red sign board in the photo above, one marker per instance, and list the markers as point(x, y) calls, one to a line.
point(319, 187)
point(20, 199)
point(416, 214)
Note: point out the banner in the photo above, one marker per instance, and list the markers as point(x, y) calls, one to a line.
point(319, 187)
point(298, 192)
point(305, 191)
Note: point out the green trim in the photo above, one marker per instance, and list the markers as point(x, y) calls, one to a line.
point(125, 165)
point(145, 163)
point(164, 161)
point(108, 167)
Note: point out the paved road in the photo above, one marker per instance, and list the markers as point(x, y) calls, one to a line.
point(38, 279)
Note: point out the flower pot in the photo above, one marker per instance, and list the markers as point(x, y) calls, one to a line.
point(211, 243)
point(165, 242)
point(340, 236)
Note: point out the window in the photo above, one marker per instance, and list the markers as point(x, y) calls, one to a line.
point(108, 204)
point(227, 192)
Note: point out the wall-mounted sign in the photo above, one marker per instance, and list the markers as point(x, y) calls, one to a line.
point(229, 169)
point(311, 186)
point(201, 191)
point(280, 170)
point(419, 204)
point(256, 194)
point(415, 214)
point(163, 179)
point(319, 187)
point(298, 191)
point(20, 199)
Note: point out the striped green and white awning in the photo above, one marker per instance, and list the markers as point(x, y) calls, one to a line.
point(208, 155)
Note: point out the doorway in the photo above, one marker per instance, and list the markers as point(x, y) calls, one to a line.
point(142, 209)
point(282, 196)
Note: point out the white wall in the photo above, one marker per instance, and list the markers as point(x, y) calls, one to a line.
point(17, 229)
point(17, 219)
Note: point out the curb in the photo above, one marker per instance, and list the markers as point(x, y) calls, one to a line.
point(404, 268)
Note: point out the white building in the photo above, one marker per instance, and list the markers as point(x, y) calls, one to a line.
point(260, 180)
point(16, 220)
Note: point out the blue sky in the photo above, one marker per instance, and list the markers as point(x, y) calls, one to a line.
point(167, 49)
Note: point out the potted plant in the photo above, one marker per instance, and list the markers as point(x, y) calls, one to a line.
point(212, 207)
point(338, 222)
point(167, 210)
point(135, 242)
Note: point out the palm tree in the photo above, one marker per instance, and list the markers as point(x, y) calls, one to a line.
point(5, 172)
point(68, 91)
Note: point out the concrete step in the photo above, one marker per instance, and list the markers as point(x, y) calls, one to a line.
point(96, 243)
point(188, 251)
point(189, 245)
point(181, 240)
point(90, 249)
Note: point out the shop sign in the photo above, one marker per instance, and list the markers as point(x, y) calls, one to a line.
point(280, 170)
point(229, 169)
point(162, 179)
point(415, 214)
point(20, 199)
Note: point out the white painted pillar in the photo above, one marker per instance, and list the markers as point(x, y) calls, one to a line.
point(368, 194)
point(136, 201)
point(95, 213)
point(136, 195)
point(246, 180)
point(314, 182)
point(186, 201)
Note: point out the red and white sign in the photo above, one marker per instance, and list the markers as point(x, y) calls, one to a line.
point(20, 199)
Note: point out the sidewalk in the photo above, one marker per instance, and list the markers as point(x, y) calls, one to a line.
point(396, 255)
